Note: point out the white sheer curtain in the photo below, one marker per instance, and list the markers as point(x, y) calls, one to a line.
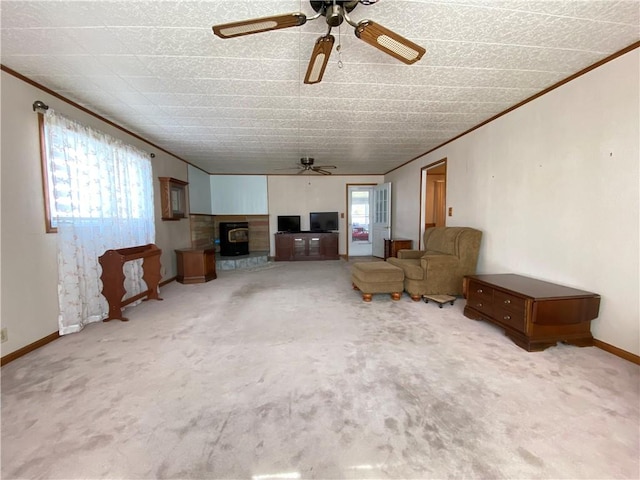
point(101, 198)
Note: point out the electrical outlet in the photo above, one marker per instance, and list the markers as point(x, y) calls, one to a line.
point(4, 334)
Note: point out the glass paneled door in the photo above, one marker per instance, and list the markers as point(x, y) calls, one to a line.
point(360, 201)
point(381, 230)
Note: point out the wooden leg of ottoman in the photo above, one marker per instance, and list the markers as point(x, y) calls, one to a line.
point(366, 297)
point(396, 295)
point(416, 298)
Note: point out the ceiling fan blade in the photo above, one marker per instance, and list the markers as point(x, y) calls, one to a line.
point(319, 170)
point(319, 59)
point(257, 25)
point(389, 42)
point(326, 166)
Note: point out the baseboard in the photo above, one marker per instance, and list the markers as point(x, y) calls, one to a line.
point(618, 352)
point(10, 357)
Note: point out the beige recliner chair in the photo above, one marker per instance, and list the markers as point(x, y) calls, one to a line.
point(450, 253)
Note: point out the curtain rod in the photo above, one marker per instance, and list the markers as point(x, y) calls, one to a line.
point(41, 107)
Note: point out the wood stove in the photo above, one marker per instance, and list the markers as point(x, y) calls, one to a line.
point(234, 238)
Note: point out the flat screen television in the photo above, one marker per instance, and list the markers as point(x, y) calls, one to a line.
point(323, 221)
point(289, 223)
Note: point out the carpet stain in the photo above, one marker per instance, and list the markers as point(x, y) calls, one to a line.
point(237, 378)
point(530, 458)
point(98, 441)
point(391, 424)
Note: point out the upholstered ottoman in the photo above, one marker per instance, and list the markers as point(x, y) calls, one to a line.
point(377, 277)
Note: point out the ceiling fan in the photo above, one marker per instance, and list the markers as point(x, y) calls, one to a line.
point(335, 12)
point(306, 165)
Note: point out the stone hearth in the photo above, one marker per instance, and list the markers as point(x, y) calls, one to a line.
point(254, 259)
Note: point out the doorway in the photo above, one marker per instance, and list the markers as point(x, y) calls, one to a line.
point(433, 201)
point(381, 218)
point(359, 208)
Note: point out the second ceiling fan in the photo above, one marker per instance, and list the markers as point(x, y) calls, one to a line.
point(335, 13)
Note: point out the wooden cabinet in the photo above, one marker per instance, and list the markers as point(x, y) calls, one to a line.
point(173, 198)
point(533, 313)
point(196, 265)
point(306, 246)
point(391, 246)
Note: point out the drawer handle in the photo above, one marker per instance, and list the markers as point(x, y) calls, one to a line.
point(479, 290)
point(479, 305)
point(507, 302)
point(507, 317)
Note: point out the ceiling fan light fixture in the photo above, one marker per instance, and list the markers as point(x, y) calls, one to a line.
point(389, 42)
point(247, 27)
point(319, 59)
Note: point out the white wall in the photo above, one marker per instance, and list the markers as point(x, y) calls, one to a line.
point(302, 194)
point(29, 269)
point(239, 195)
point(199, 191)
point(554, 186)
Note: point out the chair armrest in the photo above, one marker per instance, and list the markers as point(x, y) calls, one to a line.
point(412, 254)
point(434, 263)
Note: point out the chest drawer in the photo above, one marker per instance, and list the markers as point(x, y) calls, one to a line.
point(480, 292)
point(511, 318)
point(480, 297)
point(508, 301)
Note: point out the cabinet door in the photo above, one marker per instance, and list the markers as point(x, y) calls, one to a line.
point(299, 247)
point(284, 249)
point(330, 246)
point(314, 243)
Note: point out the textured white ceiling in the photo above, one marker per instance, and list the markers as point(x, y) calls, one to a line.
point(239, 105)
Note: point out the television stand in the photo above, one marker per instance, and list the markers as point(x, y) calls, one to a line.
point(303, 246)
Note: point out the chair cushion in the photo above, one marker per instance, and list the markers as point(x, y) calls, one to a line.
point(412, 267)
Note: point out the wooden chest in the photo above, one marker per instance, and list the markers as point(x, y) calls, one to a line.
point(534, 314)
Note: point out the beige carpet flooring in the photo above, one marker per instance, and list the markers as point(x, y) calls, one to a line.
point(283, 372)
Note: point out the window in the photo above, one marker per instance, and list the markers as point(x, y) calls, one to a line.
point(89, 174)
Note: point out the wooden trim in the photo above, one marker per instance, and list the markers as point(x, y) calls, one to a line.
point(10, 357)
point(49, 228)
point(628, 49)
point(423, 187)
point(12, 72)
point(618, 352)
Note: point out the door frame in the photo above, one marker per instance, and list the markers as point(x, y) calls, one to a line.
point(425, 191)
point(348, 223)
